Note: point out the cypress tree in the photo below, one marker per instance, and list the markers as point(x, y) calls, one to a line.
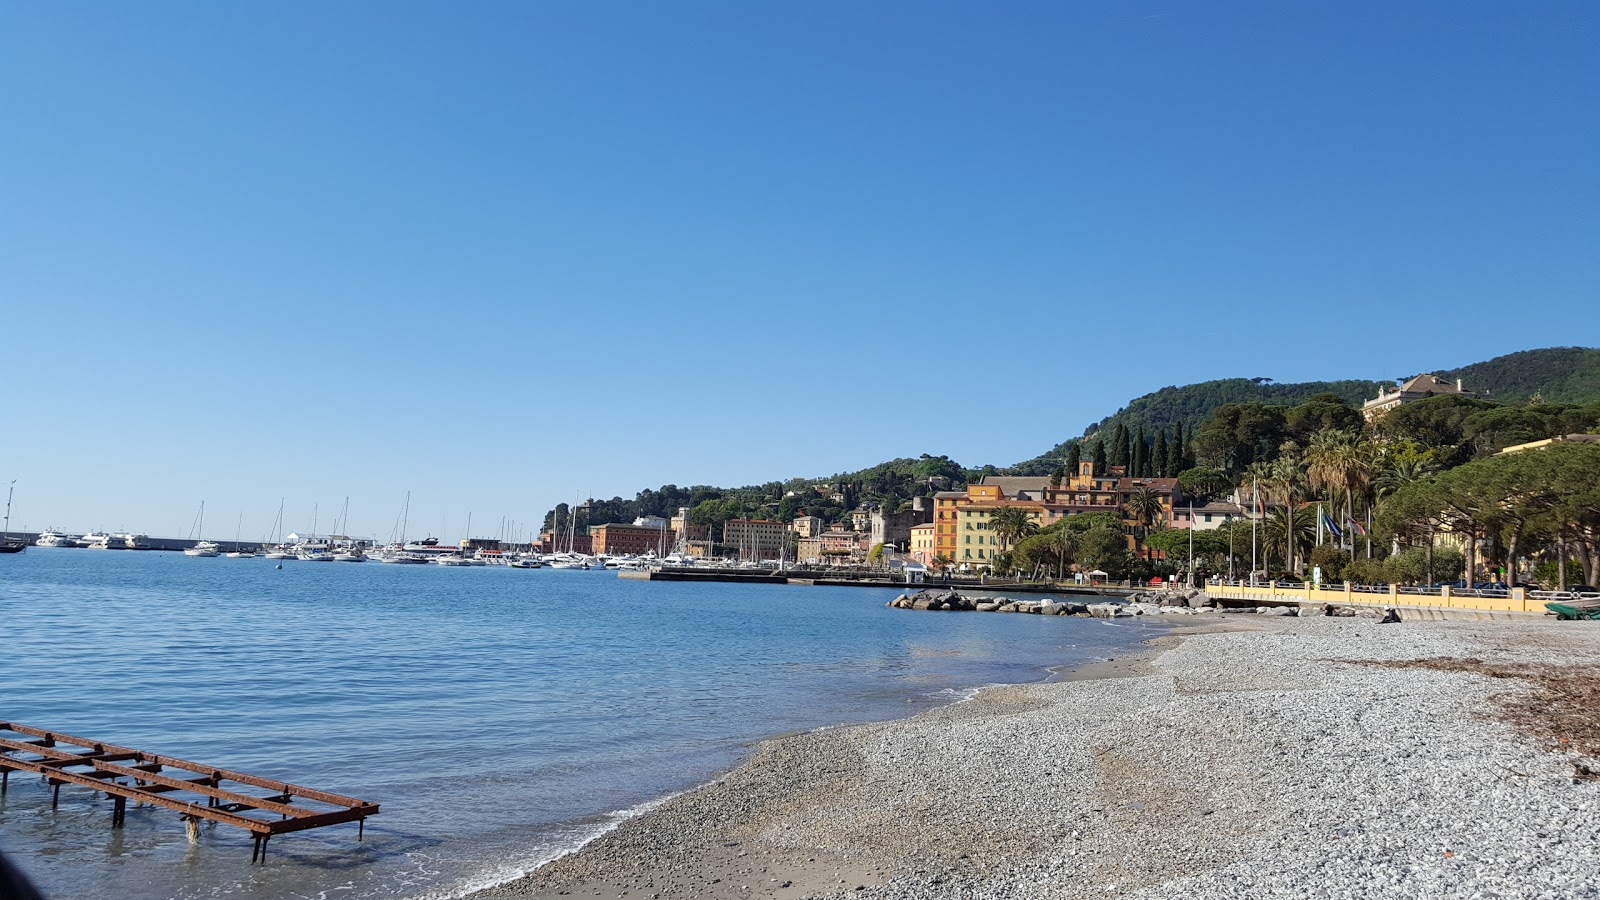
point(1099, 457)
point(1174, 461)
point(1074, 458)
point(1140, 455)
point(1119, 445)
point(1186, 453)
point(1158, 457)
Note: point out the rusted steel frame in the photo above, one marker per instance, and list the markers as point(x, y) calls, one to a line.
point(279, 826)
point(197, 810)
point(282, 787)
point(59, 762)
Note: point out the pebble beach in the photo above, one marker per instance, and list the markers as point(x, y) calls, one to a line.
point(1240, 756)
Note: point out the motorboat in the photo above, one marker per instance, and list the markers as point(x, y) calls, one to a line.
point(130, 541)
point(450, 561)
point(350, 554)
point(314, 553)
point(204, 548)
point(279, 553)
point(55, 539)
point(240, 554)
point(97, 539)
point(525, 562)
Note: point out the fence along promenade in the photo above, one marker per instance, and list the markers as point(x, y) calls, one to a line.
point(1486, 601)
point(123, 773)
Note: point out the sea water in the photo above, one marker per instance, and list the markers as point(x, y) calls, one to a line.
point(499, 716)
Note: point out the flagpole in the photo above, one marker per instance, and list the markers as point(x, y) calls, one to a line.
point(1255, 501)
point(1319, 524)
point(1191, 545)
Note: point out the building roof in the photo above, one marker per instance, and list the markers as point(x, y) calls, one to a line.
point(1016, 484)
point(950, 495)
point(923, 525)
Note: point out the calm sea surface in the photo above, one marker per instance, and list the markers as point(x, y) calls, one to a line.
point(499, 716)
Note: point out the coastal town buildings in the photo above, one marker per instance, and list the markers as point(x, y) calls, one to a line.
point(963, 537)
point(755, 538)
point(922, 549)
point(894, 529)
point(618, 539)
point(1418, 388)
point(1209, 517)
point(808, 526)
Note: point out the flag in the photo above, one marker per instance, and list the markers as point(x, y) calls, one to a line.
point(1355, 526)
point(1327, 522)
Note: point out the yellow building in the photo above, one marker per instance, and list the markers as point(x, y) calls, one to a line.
point(977, 543)
point(922, 543)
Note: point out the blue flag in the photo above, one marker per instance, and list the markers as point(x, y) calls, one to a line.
point(1327, 522)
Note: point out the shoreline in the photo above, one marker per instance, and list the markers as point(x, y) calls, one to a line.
point(785, 875)
point(1245, 757)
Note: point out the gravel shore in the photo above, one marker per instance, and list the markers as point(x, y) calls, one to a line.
point(1260, 757)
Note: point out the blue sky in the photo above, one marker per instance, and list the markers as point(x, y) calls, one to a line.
point(498, 254)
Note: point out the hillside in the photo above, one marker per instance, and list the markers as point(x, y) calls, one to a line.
point(1192, 403)
point(1558, 374)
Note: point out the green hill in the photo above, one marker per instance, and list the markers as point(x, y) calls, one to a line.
point(1558, 374)
point(1192, 403)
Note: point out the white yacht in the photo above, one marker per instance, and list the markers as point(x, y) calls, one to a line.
point(280, 552)
point(131, 541)
point(55, 539)
point(350, 554)
point(204, 548)
point(314, 553)
point(241, 554)
point(96, 539)
point(450, 561)
point(529, 561)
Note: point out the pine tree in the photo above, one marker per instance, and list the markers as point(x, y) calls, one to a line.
point(1158, 457)
point(1119, 445)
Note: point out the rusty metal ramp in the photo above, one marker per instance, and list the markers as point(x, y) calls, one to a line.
point(196, 791)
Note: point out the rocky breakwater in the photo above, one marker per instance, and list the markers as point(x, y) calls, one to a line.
point(1153, 603)
point(1180, 602)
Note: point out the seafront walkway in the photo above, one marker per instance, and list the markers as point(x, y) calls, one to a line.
point(1443, 602)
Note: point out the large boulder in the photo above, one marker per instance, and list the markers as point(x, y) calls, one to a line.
point(988, 606)
point(1108, 610)
point(1197, 600)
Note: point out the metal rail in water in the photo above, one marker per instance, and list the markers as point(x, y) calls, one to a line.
point(123, 773)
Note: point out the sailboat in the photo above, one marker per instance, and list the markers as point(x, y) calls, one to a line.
point(9, 544)
point(203, 547)
point(278, 551)
point(396, 553)
point(236, 553)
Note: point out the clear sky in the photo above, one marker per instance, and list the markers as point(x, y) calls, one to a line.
point(500, 253)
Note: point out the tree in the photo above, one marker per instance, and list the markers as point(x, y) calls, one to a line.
point(1284, 481)
point(1240, 434)
point(1139, 457)
point(1119, 446)
point(1175, 452)
point(1074, 457)
point(1058, 476)
point(1144, 507)
point(1009, 523)
point(1338, 460)
point(1158, 457)
point(1100, 458)
point(1437, 423)
point(1203, 482)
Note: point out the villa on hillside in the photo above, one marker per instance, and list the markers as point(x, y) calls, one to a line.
point(1418, 388)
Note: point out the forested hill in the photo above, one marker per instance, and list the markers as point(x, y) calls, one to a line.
point(1192, 403)
point(1556, 374)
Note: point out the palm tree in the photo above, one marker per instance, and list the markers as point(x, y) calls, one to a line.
point(1010, 524)
point(1144, 507)
point(1279, 524)
point(1285, 482)
point(1394, 474)
point(1339, 461)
